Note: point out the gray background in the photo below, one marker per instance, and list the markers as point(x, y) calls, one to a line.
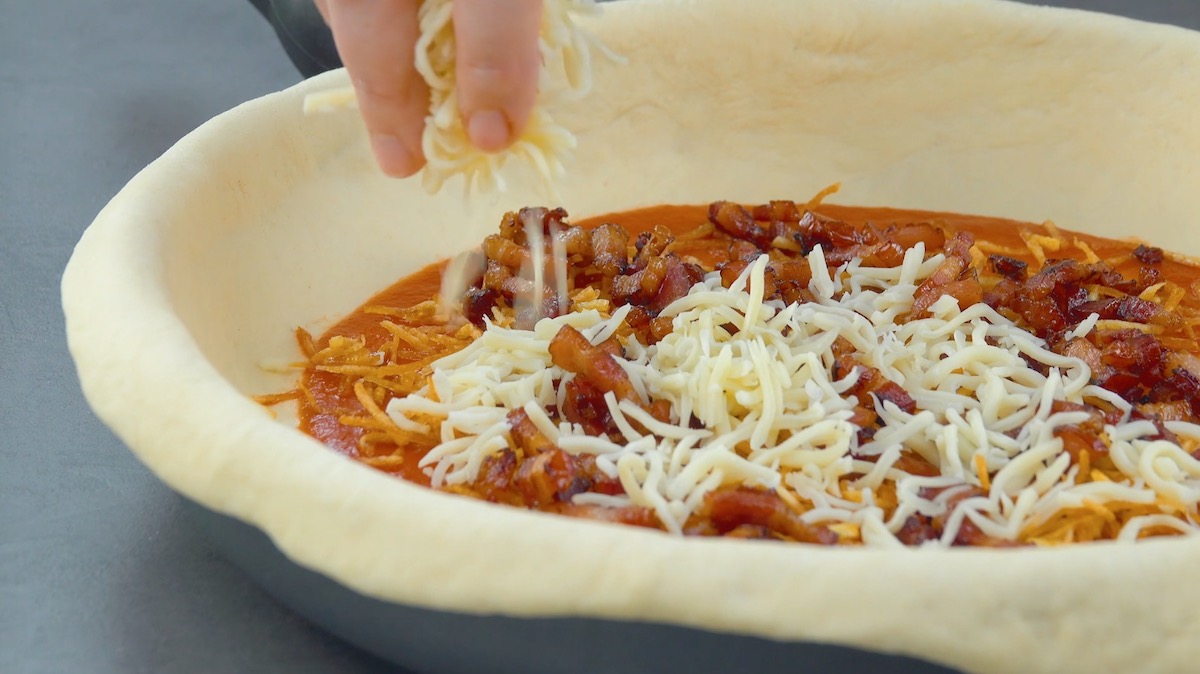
point(99, 569)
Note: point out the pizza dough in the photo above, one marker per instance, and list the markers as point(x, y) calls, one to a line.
point(975, 106)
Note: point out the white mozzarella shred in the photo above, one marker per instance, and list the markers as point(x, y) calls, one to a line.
point(773, 415)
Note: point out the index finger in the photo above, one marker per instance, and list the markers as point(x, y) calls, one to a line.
point(375, 39)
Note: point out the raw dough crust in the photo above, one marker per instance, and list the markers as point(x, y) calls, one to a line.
point(262, 219)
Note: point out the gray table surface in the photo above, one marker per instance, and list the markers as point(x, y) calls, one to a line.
point(99, 569)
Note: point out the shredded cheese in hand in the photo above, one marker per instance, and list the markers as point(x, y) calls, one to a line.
point(760, 377)
point(543, 145)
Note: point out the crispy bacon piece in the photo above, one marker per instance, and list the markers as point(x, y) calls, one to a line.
point(1128, 308)
point(915, 464)
point(954, 277)
point(1081, 437)
point(610, 249)
point(1087, 352)
point(637, 516)
point(546, 474)
point(495, 275)
point(916, 530)
point(777, 211)
point(478, 304)
point(650, 245)
point(571, 351)
point(872, 382)
point(909, 235)
point(1133, 356)
point(526, 434)
point(505, 252)
point(1010, 268)
point(662, 281)
point(735, 220)
point(494, 483)
point(785, 280)
point(584, 404)
point(728, 509)
point(885, 254)
point(1148, 255)
point(637, 288)
point(549, 477)
point(676, 282)
point(512, 225)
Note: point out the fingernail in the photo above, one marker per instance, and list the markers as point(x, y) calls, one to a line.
point(488, 130)
point(393, 155)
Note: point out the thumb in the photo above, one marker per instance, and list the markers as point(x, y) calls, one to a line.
point(497, 67)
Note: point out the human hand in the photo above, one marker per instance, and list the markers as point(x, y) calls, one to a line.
point(497, 63)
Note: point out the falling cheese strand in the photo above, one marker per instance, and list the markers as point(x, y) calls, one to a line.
point(774, 416)
point(543, 145)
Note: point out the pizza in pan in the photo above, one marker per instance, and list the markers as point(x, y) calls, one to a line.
point(789, 371)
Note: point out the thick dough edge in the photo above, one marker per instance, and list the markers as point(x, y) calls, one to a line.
point(158, 365)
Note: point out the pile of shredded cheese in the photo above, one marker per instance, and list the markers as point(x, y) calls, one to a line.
point(543, 145)
point(759, 376)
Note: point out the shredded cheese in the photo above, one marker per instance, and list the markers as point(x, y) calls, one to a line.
point(759, 377)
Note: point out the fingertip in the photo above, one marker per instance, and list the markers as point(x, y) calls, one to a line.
point(489, 130)
point(394, 156)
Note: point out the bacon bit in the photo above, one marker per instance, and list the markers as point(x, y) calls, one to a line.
point(571, 351)
point(610, 247)
point(549, 477)
point(736, 221)
point(1148, 255)
point(730, 508)
point(915, 464)
point(981, 471)
point(916, 530)
point(526, 435)
point(951, 278)
point(584, 405)
point(1008, 267)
